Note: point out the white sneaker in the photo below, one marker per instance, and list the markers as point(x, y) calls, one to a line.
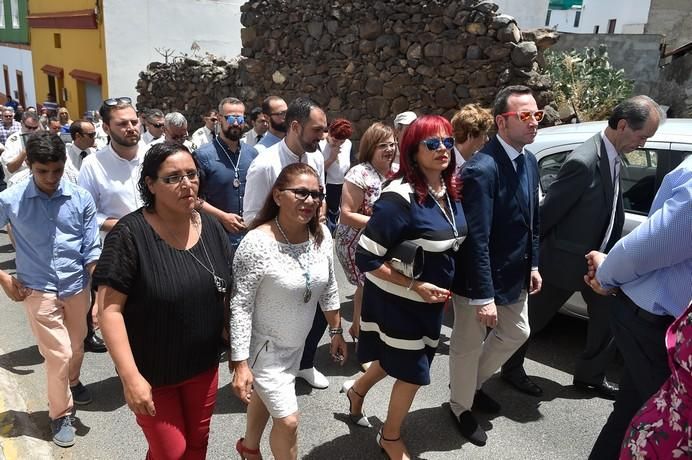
point(315, 378)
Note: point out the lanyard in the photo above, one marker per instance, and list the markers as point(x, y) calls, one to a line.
point(236, 174)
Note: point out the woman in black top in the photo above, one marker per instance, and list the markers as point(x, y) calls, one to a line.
point(162, 279)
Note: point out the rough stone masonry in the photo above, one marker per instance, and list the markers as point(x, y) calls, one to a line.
point(360, 59)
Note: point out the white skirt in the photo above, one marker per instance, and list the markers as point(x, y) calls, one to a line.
point(274, 369)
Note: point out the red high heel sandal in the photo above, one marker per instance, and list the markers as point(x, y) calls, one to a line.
point(244, 451)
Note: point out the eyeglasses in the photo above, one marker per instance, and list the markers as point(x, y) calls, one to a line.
point(278, 114)
point(386, 145)
point(232, 119)
point(178, 179)
point(111, 102)
point(526, 115)
point(156, 125)
point(214, 120)
point(91, 135)
point(302, 194)
point(434, 143)
point(8, 116)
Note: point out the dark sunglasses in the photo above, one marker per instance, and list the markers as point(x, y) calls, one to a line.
point(178, 179)
point(302, 194)
point(434, 143)
point(526, 115)
point(111, 102)
point(157, 125)
point(231, 119)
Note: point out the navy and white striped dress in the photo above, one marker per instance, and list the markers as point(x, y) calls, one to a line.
point(397, 327)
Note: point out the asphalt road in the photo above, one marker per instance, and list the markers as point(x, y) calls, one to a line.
point(562, 424)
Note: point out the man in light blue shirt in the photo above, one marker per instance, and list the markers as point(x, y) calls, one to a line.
point(650, 273)
point(275, 109)
point(57, 243)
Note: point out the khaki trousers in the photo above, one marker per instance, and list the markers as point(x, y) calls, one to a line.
point(59, 326)
point(475, 355)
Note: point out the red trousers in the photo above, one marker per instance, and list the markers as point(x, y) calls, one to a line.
point(180, 428)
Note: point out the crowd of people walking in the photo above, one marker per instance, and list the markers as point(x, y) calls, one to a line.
point(181, 248)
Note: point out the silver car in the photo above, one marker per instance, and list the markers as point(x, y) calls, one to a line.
point(641, 174)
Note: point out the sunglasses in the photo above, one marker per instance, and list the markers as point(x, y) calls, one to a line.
point(91, 135)
point(156, 125)
point(526, 115)
point(178, 179)
point(111, 102)
point(31, 128)
point(302, 194)
point(231, 119)
point(434, 143)
point(278, 114)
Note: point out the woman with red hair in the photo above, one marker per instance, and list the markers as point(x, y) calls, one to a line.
point(336, 149)
point(401, 316)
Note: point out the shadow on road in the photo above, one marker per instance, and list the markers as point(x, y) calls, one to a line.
point(25, 357)
point(34, 425)
point(107, 395)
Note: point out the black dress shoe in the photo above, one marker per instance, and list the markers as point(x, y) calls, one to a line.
point(523, 383)
point(470, 429)
point(94, 344)
point(485, 403)
point(604, 388)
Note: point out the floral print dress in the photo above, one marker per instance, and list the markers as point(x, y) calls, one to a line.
point(365, 177)
point(662, 428)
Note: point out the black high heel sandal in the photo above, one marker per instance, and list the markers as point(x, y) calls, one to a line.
point(380, 437)
point(358, 419)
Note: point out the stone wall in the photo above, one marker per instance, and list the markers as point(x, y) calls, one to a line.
point(360, 59)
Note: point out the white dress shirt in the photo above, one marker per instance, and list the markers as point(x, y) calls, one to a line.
point(202, 136)
point(266, 168)
point(112, 182)
point(13, 148)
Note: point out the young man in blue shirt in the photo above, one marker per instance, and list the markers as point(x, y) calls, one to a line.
point(57, 244)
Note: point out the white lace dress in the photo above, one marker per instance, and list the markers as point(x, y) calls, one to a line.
point(269, 318)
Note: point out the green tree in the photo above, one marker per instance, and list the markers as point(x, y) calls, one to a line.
point(585, 81)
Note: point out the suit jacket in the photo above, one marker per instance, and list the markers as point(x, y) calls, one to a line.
point(575, 214)
point(502, 243)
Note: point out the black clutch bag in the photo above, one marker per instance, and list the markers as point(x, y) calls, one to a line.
point(407, 258)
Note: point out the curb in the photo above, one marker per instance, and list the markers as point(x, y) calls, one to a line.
point(20, 438)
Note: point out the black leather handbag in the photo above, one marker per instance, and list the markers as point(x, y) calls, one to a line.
point(407, 258)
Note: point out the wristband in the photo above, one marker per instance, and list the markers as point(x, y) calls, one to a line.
point(335, 331)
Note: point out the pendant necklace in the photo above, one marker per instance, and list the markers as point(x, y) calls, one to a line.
point(236, 166)
point(306, 270)
point(452, 222)
point(219, 282)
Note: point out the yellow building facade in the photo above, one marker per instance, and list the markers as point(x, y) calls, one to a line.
point(68, 53)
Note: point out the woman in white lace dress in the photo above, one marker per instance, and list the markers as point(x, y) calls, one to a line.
point(283, 268)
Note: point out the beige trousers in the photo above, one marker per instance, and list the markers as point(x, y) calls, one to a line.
point(475, 357)
point(59, 326)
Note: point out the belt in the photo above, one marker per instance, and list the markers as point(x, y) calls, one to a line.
point(659, 320)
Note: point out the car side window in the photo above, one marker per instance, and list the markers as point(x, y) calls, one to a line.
point(548, 168)
point(641, 175)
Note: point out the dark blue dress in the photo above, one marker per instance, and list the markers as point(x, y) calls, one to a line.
point(397, 327)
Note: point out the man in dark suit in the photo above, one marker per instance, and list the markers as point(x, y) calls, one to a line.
point(582, 211)
point(498, 264)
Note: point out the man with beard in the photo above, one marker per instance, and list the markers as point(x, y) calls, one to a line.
point(275, 110)
point(112, 173)
point(225, 162)
point(306, 123)
point(260, 124)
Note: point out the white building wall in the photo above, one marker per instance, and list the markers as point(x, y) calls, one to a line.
point(528, 13)
point(630, 15)
point(134, 28)
point(19, 59)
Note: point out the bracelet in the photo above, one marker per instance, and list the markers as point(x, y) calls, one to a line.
point(410, 286)
point(335, 331)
